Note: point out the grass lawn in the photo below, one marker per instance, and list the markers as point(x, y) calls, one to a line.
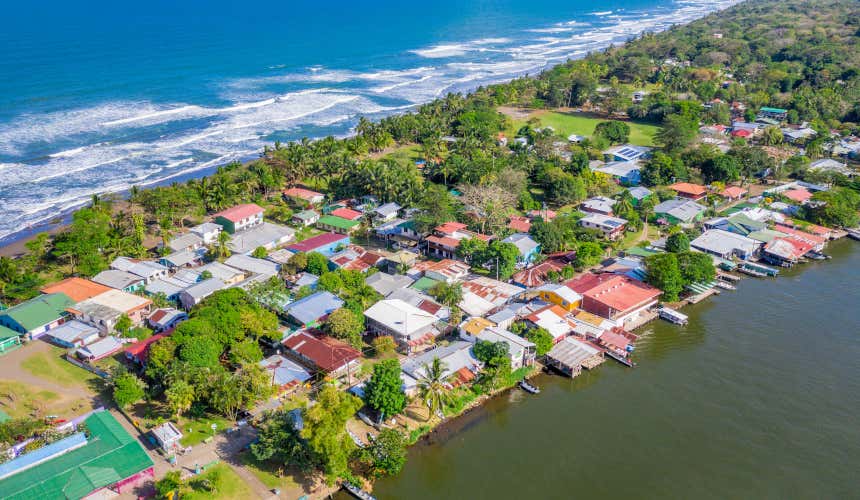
point(19, 400)
point(227, 485)
point(51, 367)
point(565, 124)
point(305, 233)
point(195, 430)
point(404, 154)
point(267, 474)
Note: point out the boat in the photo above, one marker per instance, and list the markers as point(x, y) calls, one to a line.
point(528, 387)
point(758, 270)
point(725, 286)
point(355, 439)
point(728, 277)
point(752, 272)
point(854, 234)
point(624, 360)
point(812, 254)
point(358, 492)
point(673, 316)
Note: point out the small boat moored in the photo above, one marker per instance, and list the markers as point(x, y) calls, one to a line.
point(854, 233)
point(724, 285)
point(672, 316)
point(357, 492)
point(528, 387)
point(624, 360)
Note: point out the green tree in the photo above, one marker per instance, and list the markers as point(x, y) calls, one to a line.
point(127, 389)
point(588, 253)
point(384, 391)
point(432, 388)
point(721, 168)
point(317, 263)
point(325, 430)
point(542, 340)
point(260, 253)
point(448, 294)
point(614, 131)
point(386, 453)
point(123, 324)
point(677, 132)
point(279, 440)
point(384, 345)
point(171, 484)
point(179, 396)
point(678, 242)
point(659, 170)
point(837, 207)
point(330, 281)
point(344, 324)
point(696, 267)
point(664, 273)
point(245, 351)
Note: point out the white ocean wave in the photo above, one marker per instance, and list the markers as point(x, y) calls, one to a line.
point(443, 51)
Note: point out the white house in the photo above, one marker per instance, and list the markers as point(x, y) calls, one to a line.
point(407, 324)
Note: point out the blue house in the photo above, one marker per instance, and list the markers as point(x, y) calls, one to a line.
point(529, 249)
point(313, 309)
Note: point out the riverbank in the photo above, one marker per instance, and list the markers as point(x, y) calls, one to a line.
point(750, 399)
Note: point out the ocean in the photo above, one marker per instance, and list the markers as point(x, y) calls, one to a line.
point(97, 97)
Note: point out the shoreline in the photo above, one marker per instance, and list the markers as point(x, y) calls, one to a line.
point(12, 245)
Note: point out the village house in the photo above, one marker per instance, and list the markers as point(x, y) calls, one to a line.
point(829, 165)
point(337, 224)
point(73, 334)
point(148, 270)
point(138, 352)
point(689, 191)
point(194, 294)
point(329, 356)
point(786, 251)
point(36, 316)
point(77, 289)
point(460, 365)
point(553, 319)
point(627, 152)
point(798, 135)
point(481, 295)
point(726, 245)
point(571, 355)
point(521, 351)
point(409, 326)
point(385, 283)
point(733, 193)
point(103, 462)
point(680, 211)
point(239, 218)
point(119, 280)
point(285, 374)
point(619, 298)
point(447, 270)
point(519, 223)
point(167, 436)
point(626, 173)
point(446, 238)
point(545, 214)
point(739, 223)
point(402, 232)
point(166, 318)
point(602, 205)
point(611, 227)
point(816, 241)
point(172, 286)
point(560, 295)
point(537, 275)
point(183, 258)
point(253, 265)
point(304, 196)
point(355, 258)
point(528, 248)
point(100, 349)
point(230, 275)
point(208, 232)
point(306, 218)
point(385, 213)
point(185, 242)
point(326, 244)
point(265, 235)
point(103, 310)
point(312, 310)
point(638, 193)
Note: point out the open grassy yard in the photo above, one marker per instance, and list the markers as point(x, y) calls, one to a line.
point(567, 123)
point(196, 430)
point(20, 400)
point(49, 365)
point(267, 473)
point(223, 483)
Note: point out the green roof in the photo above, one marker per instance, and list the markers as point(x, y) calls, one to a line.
point(40, 310)
point(6, 333)
point(110, 455)
point(424, 284)
point(773, 110)
point(306, 214)
point(338, 222)
point(765, 235)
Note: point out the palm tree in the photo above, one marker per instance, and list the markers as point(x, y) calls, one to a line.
point(432, 387)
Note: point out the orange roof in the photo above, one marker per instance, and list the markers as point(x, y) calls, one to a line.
point(520, 223)
point(78, 289)
point(622, 293)
point(733, 192)
point(803, 235)
point(798, 195)
point(536, 276)
point(302, 193)
point(546, 215)
point(689, 189)
point(346, 213)
point(450, 227)
point(444, 241)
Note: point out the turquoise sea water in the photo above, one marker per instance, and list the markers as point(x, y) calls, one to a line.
point(99, 96)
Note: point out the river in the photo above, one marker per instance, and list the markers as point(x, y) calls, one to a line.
point(758, 397)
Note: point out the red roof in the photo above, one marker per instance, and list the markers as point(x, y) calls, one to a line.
point(302, 193)
point(140, 350)
point(741, 133)
point(789, 246)
point(320, 240)
point(446, 241)
point(78, 289)
point(733, 192)
point(450, 227)
point(610, 338)
point(347, 213)
point(803, 235)
point(689, 189)
point(798, 195)
point(546, 215)
point(239, 212)
point(327, 353)
point(520, 223)
point(618, 292)
point(536, 276)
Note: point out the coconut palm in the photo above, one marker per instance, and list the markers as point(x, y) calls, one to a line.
point(432, 388)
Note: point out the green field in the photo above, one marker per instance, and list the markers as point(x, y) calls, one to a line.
point(53, 368)
point(565, 124)
point(224, 481)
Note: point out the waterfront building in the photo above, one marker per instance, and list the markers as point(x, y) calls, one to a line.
point(571, 355)
point(617, 297)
